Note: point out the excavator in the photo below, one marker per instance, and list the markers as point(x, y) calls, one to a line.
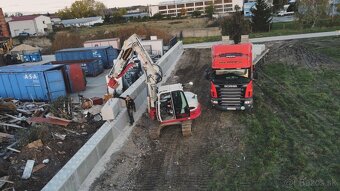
point(6, 44)
point(169, 104)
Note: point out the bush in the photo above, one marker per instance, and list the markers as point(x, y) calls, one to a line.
point(64, 40)
point(125, 32)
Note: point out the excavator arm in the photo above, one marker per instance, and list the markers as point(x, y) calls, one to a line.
point(124, 61)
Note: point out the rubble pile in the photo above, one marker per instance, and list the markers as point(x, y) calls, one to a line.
point(38, 138)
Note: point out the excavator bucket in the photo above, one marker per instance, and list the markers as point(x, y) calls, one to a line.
point(112, 83)
point(7, 106)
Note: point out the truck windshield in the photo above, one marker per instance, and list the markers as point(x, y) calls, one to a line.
point(240, 75)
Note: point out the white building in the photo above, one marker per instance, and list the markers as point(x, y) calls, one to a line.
point(186, 7)
point(89, 21)
point(153, 46)
point(55, 20)
point(31, 24)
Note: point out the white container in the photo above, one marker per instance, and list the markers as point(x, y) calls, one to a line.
point(114, 42)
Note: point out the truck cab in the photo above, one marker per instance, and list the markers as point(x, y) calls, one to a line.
point(231, 77)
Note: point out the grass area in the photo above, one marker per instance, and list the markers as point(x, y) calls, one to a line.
point(166, 25)
point(191, 40)
point(292, 140)
point(280, 32)
point(332, 50)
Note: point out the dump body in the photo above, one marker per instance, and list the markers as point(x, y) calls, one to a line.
point(231, 76)
point(75, 80)
point(32, 83)
point(105, 53)
point(91, 67)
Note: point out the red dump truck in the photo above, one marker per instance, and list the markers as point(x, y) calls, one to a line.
point(231, 76)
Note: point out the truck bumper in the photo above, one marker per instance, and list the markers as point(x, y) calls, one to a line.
point(246, 104)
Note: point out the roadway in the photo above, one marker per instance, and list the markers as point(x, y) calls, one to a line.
point(269, 39)
point(289, 18)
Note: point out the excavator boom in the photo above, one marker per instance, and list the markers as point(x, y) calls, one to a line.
point(124, 61)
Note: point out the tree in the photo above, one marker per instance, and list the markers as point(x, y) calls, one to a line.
point(157, 16)
point(310, 11)
point(292, 7)
point(196, 13)
point(209, 11)
point(82, 8)
point(100, 8)
point(107, 19)
point(261, 18)
point(117, 16)
point(235, 26)
point(18, 14)
point(278, 4)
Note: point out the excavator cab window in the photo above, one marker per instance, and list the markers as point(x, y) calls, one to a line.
point(166, 107)
point(173, 106)
point(181, 105)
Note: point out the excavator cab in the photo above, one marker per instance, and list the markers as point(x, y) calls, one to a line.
point(172, 106)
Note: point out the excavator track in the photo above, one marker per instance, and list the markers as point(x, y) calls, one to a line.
point(186, 128)
point(155, 131)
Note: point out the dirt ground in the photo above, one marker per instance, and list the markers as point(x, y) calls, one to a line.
point(174, 162)
point(177, 163)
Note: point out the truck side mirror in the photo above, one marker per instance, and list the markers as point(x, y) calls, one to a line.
point(207, 73)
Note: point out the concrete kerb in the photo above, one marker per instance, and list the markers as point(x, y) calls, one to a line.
point(83, 166)
point(269, 39)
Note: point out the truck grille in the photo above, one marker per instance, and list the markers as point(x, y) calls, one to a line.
point(230, 96)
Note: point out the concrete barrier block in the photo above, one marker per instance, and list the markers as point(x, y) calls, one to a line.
point(111, 109)
point(115, 133)
point(72, 183)
point(121, 121)
point(87, 165)
point(104, 143)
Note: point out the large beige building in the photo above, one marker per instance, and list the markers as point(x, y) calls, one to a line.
point(31, 24)
point(186, 7)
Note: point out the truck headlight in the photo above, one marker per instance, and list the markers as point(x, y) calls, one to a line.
point(248, 102)
point(214, 102)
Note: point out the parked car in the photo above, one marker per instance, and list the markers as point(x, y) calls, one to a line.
point(24, 34)
point(284, 13)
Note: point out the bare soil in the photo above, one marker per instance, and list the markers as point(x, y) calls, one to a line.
point(177, 163)
point(174, 162)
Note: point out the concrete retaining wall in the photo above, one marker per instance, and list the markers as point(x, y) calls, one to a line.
point(199, 32)
point(76, 170)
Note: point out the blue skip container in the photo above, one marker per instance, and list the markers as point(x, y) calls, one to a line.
point(105, 53)
point(32, 83)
